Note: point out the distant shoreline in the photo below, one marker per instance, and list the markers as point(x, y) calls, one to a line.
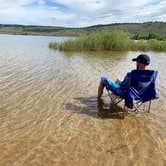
point(132, 28)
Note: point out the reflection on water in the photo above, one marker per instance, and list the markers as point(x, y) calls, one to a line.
point(50, 115)
point(96, 108)
point(111, 110)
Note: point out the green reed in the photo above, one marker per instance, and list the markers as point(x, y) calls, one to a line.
point(103, 40)
point(146, 45)
point(108, 40)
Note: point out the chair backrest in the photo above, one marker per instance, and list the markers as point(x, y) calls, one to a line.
point(142, 85)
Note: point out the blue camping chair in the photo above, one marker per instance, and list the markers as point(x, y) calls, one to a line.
point(141, 90)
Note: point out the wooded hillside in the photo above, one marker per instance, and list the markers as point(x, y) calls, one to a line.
point(133, 28)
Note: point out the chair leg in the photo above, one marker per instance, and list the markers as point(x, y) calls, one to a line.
point(149, 106)
point(115, 100)
point(136, 106)
point(145, 106)
point(109, 94)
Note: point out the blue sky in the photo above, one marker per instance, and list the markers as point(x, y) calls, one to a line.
point(80, 13)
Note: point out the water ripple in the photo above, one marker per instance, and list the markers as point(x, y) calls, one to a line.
point(49, 108)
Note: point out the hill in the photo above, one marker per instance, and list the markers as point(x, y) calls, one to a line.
point(133, 28)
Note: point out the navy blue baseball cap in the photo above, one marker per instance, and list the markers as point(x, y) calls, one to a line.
point(142, 58)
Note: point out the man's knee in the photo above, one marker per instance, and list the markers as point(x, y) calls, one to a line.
point(102, 82)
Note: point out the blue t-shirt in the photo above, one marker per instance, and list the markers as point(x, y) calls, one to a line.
point(126, 81)
point(118, 88)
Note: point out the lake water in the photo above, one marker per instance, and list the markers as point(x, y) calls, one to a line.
point(49, 112)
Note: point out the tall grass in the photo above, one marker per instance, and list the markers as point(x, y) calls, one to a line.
point(108, 40)
point(146, 45)
point(103, 40)
point(157, 45)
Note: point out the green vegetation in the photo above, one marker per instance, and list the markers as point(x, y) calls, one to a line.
point(148, 37)
point(146, 45)
point(158, 28)
point(109, 40)
point(103, 40)
point(119, 36)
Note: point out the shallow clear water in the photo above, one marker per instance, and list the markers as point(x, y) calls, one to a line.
point(49, 112)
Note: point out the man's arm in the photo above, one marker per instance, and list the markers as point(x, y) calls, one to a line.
point(126, 81)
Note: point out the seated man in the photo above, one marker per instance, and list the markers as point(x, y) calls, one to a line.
point(119, 87)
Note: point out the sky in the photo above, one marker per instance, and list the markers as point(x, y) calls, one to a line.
point(80, 13)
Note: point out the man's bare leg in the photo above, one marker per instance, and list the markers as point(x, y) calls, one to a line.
point(100, 89)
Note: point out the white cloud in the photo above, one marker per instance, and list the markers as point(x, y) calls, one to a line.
point(75, 13)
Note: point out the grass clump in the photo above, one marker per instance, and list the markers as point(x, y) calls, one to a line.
point(102, 40)
point(109, 40)
point(146, 45)
point(157, 45)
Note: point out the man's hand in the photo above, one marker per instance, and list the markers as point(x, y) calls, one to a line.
point(117, 80)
